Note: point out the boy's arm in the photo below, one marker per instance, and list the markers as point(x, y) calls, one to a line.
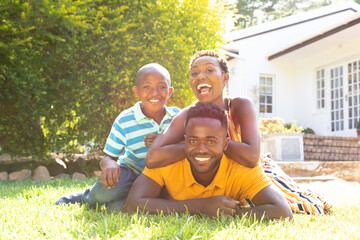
point(145, 196)
point(166, 148)
point(246, 152)
point(268, 202)
point(110, 171)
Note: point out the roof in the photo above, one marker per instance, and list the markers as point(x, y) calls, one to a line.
point(348, 28)
point(349, 6)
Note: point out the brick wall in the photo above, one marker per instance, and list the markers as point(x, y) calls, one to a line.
point(321, 148)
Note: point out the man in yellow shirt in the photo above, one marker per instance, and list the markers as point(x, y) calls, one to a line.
point(206, 181)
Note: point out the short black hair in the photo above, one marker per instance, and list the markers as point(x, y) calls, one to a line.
point(152, 66)
point(207, 110)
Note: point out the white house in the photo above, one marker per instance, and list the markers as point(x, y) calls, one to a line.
point(303, 68)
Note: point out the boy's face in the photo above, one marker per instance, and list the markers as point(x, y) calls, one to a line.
point(206, 79)
point(153, 89)
point(205, 143)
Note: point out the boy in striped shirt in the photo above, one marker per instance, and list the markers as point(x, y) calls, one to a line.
point(132, 133)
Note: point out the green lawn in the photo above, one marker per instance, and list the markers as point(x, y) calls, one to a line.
point(27, 211)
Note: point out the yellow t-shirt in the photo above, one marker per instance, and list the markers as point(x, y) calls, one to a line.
point(232, 180)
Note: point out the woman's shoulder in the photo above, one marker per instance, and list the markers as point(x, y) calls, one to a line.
point(241, 104)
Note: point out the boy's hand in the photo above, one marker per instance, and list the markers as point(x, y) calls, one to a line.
point(220, 205)
point(110, 173)
point(149, 139)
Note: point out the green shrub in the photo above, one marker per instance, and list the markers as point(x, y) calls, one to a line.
point(67, 67)
point(308, 131)
point(277, 125)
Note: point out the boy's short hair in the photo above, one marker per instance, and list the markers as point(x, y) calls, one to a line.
point(152, 66)
point(224, 65)
point(207, 110)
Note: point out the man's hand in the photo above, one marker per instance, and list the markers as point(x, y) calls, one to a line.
point(220, 205)
point(149, 139)
point(145, 195)
point(110, 173)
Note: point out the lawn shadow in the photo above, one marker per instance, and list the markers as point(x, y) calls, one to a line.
point(29, 188)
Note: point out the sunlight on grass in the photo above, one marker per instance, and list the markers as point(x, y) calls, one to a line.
point(28, 212)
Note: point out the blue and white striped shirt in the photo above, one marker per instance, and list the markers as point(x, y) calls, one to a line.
point(126, 138)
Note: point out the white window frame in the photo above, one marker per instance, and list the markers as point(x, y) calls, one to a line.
point(353, 91)
point(320, 86)
point(265, 95)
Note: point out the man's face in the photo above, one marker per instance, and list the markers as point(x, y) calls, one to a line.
point(205, 142)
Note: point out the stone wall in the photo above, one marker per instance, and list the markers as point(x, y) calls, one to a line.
point(58, 166)
point(324, 148)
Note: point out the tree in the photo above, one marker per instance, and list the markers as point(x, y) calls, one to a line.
point(253, 12)
point(36, 78)
point(68, 67)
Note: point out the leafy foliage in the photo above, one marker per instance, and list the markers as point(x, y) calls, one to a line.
point(253, 12)
point(277, 125)
point(309, 131)
point(67, 67)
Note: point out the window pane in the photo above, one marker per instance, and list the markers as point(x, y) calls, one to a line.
point(268, 81)
point(262, 99)
point(269, 109)
point(269, 99)
point(262, 108)
point(262, 80)
point(269, 90)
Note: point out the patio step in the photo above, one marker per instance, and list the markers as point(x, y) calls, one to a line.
point(315, 179)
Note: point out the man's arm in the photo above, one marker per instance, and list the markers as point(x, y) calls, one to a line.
point(269, 202)
point(166, 148)
point(145, 196)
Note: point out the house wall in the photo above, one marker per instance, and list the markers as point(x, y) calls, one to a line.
point(305, 80)
point(294, 88)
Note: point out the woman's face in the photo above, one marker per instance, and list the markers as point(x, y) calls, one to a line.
point(206, 79)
